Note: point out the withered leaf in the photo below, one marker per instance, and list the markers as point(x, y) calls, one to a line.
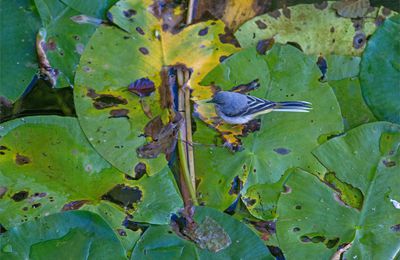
point(351, 8)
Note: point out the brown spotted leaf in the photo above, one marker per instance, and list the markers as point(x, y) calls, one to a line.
point(123, 81)
point(47, 166)
point(314, 29)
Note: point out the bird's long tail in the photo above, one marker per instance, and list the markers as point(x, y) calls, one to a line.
point(292, 106)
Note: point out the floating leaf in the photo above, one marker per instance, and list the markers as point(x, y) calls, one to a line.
point(313, 28)
point(67, 235)
point(161, 241)
point(19, 23)
point(380, 72)
point(314, 219)
point(109, 70)
point(284, 73)
point(35, 154)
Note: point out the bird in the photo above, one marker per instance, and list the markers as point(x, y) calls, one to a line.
point(237, 108)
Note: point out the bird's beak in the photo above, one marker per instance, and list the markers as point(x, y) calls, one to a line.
point(211, 101)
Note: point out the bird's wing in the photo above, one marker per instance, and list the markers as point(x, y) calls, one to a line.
point(256, 105)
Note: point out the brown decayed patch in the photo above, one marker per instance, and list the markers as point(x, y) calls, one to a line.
point(124, 196)
point(107, 100)
point(140, 170)
point(129, 13)
point(321, 6)
point(286, 12)
point(20, 196)
point(379, 20)
point(22, 159)
point(264, 45)
point(228, 37)
point(164, 138)
point(117, 113)
point(275, 14)
point(173, 20)
point(144, 50)
point(73, 205)
point(386, 11)
point(236, 186)
point(142, 87)
point(2, 229)
point(261, 25)
point(282, 151)
point(203, 31)
point(140, 30)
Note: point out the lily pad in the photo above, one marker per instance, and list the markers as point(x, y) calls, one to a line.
point(37, 152)
point(67, 235)
point(315, 219)
point(284, 141)
point(134, 55)
point(380, 72)
point(19, 22)
point(313, 28)
point(161, 241)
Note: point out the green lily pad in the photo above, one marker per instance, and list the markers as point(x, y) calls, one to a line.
point(314, 28)
point(67, 235)
point(37, 152)
point(313, 217)
point(19, 22)
point(161, 241)
point(136, 56)
point(284, 141)
point(380, 72)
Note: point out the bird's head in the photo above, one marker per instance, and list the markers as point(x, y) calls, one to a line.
point(219, 98)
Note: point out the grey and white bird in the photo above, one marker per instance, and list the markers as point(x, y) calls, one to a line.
point(236, 108)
